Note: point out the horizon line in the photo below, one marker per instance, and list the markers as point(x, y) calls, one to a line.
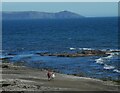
point(57, 12)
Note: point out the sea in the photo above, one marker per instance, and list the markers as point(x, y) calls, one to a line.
point(22, 40)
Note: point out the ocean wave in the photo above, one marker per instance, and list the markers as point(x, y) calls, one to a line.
point(8, 56)
point(72, 48)
point(100, 49)
point(86, 49)
point(99, 60)
point(117, 54)
point(108, 67)
point(114, 49)
point(24, 55)
point(110, 50)
point(115, 70)
point(110, 56)
point(105, 59)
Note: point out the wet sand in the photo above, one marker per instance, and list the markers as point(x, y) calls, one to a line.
point(20, 78)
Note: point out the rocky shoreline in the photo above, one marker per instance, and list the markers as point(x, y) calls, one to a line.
point(82, 53)
point(77, 54)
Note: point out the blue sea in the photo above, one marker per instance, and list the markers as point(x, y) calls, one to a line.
point(23, 39)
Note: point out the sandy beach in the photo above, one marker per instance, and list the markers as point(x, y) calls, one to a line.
point(21, 78)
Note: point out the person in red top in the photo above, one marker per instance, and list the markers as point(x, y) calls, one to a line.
point(49, 75)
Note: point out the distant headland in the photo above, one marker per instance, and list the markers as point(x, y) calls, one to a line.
point(40, 15)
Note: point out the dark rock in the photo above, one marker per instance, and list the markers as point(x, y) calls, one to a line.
point(96, 52)
point(5, 85)
point(4, 58)
point(5, 66)
point(80, 75)
point(38, 86)
point(11, 54)
point(24, 86)
point(77, 54)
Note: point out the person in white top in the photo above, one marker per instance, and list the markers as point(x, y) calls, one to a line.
point(53, 75)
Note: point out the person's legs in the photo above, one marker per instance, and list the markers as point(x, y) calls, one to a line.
point(48, 77)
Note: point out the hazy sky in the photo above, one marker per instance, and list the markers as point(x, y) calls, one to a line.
point(60, 0)
point(83, 8)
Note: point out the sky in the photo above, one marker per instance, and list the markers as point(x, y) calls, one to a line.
point(60, 0)
point(88, 9)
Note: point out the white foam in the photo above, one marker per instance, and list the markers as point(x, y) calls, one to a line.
point(117, 53)
point(72, 48)
point(117, 50)
point(24, 55)
point(114, 49)
point(104, 59)
point(108, 67)
point(115, 70)
point(85, 49)
point(100, 60)
point(110, 56)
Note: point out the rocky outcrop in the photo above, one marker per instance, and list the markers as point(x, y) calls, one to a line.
point(77, 54)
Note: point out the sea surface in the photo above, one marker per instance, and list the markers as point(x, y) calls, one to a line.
point(23, 39)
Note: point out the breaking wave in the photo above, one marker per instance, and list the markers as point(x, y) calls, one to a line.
point(72, 48)
point(100, 60)
point(115, 70)
point(108, 67)
point(103, 60)
point(85, 48)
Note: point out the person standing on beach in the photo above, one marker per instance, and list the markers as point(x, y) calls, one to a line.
point(52, 75)
point(49, 75)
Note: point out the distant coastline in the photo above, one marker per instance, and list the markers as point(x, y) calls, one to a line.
point(40, 15)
